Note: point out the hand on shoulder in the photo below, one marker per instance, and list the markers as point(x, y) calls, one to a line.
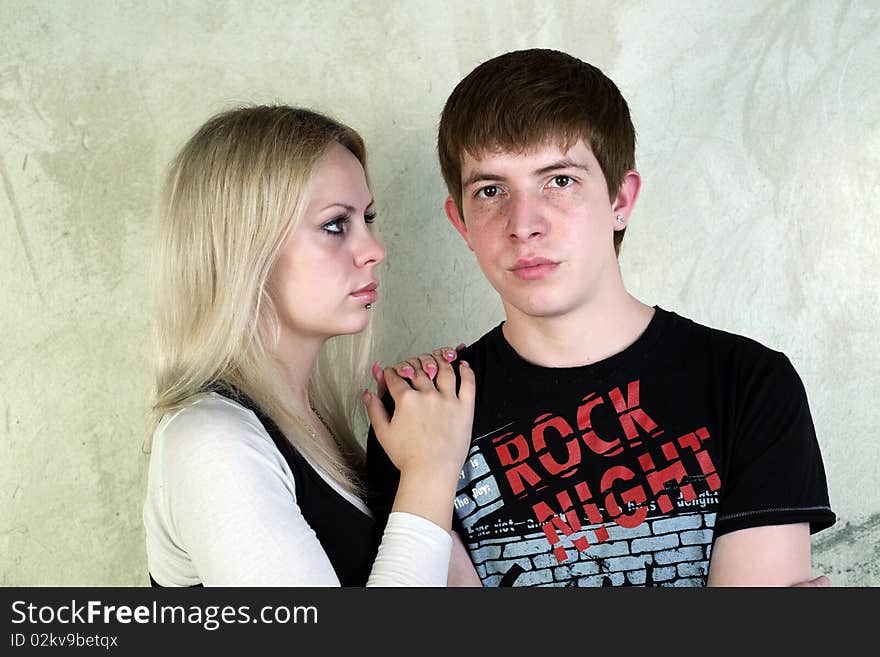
point(430, 430)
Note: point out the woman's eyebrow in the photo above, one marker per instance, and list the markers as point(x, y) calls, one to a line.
point(346, 207)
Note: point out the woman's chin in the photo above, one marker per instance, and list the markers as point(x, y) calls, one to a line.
point(354, 325)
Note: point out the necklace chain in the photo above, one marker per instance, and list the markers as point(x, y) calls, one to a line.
point(310, 426)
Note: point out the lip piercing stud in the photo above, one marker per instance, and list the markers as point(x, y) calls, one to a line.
point(368, 306)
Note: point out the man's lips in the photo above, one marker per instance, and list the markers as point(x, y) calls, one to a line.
point(367, 293)
point(530, 269)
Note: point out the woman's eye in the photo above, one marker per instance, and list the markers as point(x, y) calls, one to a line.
point(561, 181)
point(335, 226)
point(489, 191)
point(370, 217)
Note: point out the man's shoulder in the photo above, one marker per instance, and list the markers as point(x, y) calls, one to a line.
point(709, 337)
point(478, 349)
point(735, 357)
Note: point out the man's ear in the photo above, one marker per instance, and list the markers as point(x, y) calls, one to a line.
point(456, 220)
point(625, 201)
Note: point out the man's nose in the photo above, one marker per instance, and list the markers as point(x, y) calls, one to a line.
point(525, 219)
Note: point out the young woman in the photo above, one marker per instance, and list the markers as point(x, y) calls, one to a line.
point(266, 276)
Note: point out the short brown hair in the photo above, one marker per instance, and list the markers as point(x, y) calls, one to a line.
point(525, 98)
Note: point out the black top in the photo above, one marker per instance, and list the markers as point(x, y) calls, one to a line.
point(626, 470)
point(349, 536)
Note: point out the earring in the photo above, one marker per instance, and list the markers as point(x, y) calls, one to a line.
point(620, 219)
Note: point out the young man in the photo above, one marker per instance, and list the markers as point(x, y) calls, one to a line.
point(614, 443)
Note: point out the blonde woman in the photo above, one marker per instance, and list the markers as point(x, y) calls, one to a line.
point(266, 273)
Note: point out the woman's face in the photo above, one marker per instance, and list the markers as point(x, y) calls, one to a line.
point(325, 275)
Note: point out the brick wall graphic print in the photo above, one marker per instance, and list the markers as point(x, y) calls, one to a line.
point(567, 500)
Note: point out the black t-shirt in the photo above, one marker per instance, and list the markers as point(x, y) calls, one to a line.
point(623, 472)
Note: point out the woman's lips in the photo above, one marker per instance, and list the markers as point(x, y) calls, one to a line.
point(367, 294)
point(533, 268)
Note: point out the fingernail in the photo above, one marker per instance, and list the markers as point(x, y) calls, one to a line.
point(461, 345)
point(375, 369)
point(408, 371)
point(366, 396)
point(449, 355)
point(464, 363)
point(431, 370)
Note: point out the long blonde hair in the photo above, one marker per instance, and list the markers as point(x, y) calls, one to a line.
point(233, 193)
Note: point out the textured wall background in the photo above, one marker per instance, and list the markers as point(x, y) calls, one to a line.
point(759, 148)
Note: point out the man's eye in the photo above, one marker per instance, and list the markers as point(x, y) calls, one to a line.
point(489, 191)
point(561, 181)
point(335, 226)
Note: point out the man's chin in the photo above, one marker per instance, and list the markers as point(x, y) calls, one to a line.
point(541, 307)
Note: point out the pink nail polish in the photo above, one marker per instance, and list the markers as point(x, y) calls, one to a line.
point(408, 371)
point(431, 370)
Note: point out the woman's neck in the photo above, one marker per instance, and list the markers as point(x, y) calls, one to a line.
point(296, 356)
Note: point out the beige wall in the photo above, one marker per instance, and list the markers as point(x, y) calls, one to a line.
point(758, 142)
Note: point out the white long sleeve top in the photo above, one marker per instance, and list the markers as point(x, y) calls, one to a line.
point(221, 510)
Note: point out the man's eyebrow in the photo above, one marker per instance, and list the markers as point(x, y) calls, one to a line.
point(564, 163)
point(478, 176)
point(348, 208)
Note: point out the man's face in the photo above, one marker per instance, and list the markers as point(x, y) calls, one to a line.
point(542, 227)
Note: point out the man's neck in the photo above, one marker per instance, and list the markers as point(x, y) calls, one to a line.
point(594, 332)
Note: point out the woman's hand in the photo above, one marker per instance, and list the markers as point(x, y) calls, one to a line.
point(404, 368)
point(431, 427)
point(428, 437)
